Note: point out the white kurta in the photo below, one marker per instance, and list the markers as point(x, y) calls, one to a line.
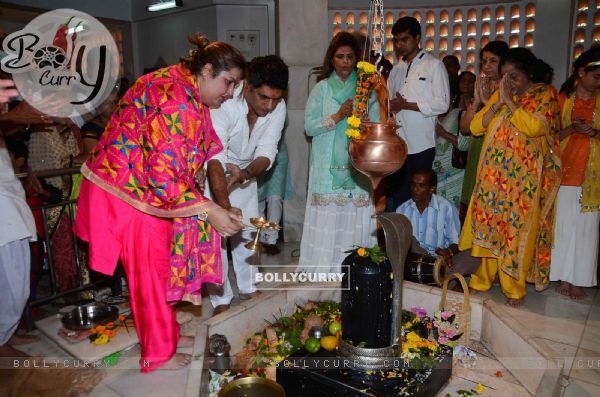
point(241, 147)
point(17, 227)
point(575, 251)
point(424, 81)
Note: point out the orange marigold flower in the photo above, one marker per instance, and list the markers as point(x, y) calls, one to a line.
point(121, 318)
point(110, 325)
point(499, 374)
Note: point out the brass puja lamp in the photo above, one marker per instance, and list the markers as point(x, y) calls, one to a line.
point(259, 224)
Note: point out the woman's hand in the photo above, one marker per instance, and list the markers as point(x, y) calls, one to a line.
point(504, 89)
point(201, 180)
point(7, 91)
point(579, 125)
point(477, 93)
point(226, 222)
point(344, 111)
point(485, 90)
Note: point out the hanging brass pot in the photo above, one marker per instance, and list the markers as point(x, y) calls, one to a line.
point(380, 152)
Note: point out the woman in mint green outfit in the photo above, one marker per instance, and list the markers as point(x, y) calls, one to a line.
point(338, 205)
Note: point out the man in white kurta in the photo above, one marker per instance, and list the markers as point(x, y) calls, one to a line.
point(249, 126)
point(419, 91)
point(17, 228)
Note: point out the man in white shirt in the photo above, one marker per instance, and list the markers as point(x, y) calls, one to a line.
point(249, 126)
point(419, 91)
point(16, 231)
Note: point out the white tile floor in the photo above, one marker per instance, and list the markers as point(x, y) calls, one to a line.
point(562, 327)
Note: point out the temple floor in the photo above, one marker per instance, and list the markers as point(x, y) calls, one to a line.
point(564, 333)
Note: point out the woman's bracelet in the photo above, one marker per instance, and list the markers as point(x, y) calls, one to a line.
point(493, 108)
point(329, 122)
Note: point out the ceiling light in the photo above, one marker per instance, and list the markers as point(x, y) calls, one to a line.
point(164, 5)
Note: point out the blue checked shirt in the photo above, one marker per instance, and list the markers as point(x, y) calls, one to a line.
point(437, 227)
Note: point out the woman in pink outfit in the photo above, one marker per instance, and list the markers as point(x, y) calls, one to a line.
point(139, 201)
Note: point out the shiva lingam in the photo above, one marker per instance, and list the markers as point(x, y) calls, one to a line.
point(259, 224)
point(398, 235)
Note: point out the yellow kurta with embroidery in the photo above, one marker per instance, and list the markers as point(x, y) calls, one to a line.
point(510, 214)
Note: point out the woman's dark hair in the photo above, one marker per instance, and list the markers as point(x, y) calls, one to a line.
point(342, 39)
point(461, 76)
point(537, 70)
point(268, 70)
point(17, 148)
point(496, 47)
point(221, 56)
point(583, 61)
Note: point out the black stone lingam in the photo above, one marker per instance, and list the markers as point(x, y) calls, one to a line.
point(367, 304)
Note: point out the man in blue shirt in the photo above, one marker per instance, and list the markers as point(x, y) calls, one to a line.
point(435, 223)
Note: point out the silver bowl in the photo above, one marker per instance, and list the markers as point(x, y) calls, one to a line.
point(87, 317)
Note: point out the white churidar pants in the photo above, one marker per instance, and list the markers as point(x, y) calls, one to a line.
point(245, 262)
point(274, 211)
point(575, 250)
point(15, 265)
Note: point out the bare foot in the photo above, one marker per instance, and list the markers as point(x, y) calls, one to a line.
point(17, 340)
point(564, 288)
point(178, 361)
point(474, 291)
point(577, 293)
point(515, 302)
point(186, 341)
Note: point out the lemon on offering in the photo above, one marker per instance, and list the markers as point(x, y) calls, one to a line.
point(312, 345)
point(329, 342)
point(334, 327)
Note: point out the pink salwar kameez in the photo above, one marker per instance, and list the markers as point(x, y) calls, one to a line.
point(139, 202)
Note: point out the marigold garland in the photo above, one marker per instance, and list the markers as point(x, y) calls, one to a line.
point(364, 81)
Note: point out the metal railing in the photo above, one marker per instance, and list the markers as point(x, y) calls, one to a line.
point(46, 251)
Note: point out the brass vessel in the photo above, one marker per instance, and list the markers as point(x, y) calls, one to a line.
point(252, 387)
point(379, 153)
point(259, 224)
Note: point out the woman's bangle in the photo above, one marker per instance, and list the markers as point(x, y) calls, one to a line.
point(493, 108)
point(329, 122)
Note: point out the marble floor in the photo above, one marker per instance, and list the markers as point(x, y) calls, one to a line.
point(554, 324)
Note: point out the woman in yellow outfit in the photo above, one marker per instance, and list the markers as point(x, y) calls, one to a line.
point(509, 220)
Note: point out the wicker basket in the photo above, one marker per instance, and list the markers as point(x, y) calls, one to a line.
point(460, 307)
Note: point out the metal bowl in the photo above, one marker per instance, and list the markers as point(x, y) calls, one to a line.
point(252, 387)
point(87, 317)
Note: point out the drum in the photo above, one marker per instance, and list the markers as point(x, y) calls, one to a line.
point(425, 269)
